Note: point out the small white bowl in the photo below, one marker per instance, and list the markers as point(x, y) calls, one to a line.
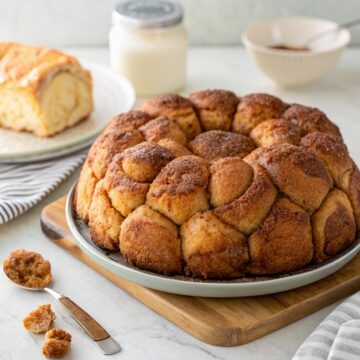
point(288, 67)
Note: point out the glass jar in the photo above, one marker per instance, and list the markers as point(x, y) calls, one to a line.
point(148, 45)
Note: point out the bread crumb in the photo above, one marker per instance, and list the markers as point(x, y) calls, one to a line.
point(57, 343)
point(39, 320)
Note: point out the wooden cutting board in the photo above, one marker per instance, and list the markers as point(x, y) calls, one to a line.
point(224, 322)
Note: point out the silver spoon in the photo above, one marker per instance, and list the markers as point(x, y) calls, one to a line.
point(101, 337)
point(316, 37)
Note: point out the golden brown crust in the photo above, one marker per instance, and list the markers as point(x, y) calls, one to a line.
point(298, 174)
point(28, 268)
point(310, 120)
point(248, 211)
point(144, 161)
point(229, 178)
point(333, 152)
point(275, 131)
point(223, 187)
point(334, 226)
point(130, 120)
point(108, 145)
point(29, 65)
point(353, 192)
point(57, 344)
point(150, 241)
point(253, 109)
point(215, 108)
point(125, 194)
point(253, 158)
point(104, 220)
point(283, 241)
point(84, 191)
point(179, 191)
point(217, 144)
point(177, 149)
point(39, 320)
point(177, 109)
point(213, 249)
point(162, 128)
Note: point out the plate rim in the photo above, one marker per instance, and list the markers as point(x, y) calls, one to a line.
point(73, 150)
point(32, 156)
point(128, 273)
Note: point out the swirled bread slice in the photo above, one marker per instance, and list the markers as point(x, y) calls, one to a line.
point(42, 91)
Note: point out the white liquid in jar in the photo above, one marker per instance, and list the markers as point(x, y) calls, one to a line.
point(154, 60)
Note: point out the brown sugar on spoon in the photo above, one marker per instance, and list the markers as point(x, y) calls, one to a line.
point(57, 344)
point(40, 320)
point(28, 268)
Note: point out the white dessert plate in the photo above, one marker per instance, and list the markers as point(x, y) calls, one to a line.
point(183, 285)
point(113, 94)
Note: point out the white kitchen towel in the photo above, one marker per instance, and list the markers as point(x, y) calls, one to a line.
point(337, 337)
point(23, 185)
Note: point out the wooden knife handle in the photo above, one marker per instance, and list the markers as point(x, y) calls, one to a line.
point(90, 325)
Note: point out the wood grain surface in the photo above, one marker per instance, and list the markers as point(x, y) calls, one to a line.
point(223, 322)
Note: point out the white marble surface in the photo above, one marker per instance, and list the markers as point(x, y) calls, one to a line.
point(142, 333)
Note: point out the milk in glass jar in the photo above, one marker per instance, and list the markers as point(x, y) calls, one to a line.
point(148, 45)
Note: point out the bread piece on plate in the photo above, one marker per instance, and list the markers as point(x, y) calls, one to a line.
point(42, 91)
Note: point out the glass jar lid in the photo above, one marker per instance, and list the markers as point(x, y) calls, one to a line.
point(148, 14)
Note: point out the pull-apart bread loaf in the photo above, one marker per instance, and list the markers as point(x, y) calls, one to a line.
point(42, 91)
point(217, 186)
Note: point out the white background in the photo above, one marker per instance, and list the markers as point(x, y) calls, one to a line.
point(87, 22)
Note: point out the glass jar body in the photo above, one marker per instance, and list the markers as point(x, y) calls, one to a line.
point(154, 60)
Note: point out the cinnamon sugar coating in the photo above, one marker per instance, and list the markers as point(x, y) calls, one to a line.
point(230, 177)
point(217, 186)
point(217, 144)
point(150, 241)
point(179, 191)
point(177, 149)
point(84, 191)
point(298, 174)
point(253, 109)
point(352, 189)
point(108, 145)
point(213, 249)
point(178, 109)
point(275, 131)
point(144, 161)
point(334, 225)
point(333, 152)
point(249, 210)
point(163, 128)
point(124, 193)
point(310, 120)
point(104, 220)
point(215, 108)
point(130, 120)
point(283, 241)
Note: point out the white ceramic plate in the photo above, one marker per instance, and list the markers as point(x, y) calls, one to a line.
point(247, 286)
point(112, 94)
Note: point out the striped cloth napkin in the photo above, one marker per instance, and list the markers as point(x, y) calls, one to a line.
point(337, 337)
point(23, 185)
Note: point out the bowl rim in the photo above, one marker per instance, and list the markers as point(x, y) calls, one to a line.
point(290, 53)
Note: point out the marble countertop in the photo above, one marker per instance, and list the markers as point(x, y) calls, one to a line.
point(142, 333)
